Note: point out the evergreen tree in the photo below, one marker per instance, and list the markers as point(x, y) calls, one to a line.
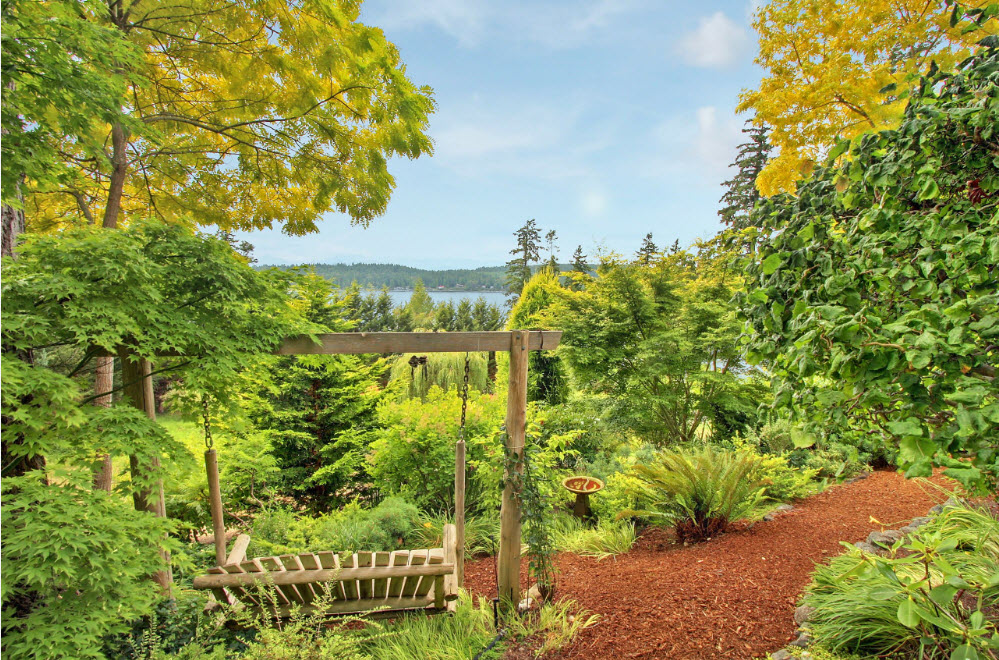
point(518, 269)
point(463, 318)
point(550, 241)
point(647, 252)
point(579, 261)
point(741, 193)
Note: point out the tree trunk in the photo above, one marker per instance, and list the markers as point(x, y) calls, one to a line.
point(104, 382)
point(119, 169)
point(138, 388)
point(13, 225)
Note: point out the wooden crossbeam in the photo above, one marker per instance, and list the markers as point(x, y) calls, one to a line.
point(414, 342)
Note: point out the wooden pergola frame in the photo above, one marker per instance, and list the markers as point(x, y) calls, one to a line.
point(516, 342)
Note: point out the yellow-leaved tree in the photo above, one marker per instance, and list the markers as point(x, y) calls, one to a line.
point(838, 68)
point(241, 114)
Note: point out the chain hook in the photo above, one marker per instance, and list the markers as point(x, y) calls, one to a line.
point(209, 443)
point(464, 399)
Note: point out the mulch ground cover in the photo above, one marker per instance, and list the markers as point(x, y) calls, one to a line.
point(730, 597)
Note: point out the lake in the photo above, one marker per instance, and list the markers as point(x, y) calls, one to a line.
point(497, 298)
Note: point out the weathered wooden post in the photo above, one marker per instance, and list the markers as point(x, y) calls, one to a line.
point(516, 422)
point(459, 511)
point(215, 504)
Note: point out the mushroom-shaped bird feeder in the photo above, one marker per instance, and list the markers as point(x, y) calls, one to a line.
point(583, 487)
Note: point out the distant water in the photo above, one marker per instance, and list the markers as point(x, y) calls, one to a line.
point(497, 298)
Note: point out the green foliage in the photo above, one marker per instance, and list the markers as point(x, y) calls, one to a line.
point(76, 565)
point(548, 379)
point(445, 371)
point(933, 597)
point(699, 491)
point(413, 451)
point(874, 304)
point(462, 635)
point(61, 73)
point(607, 539)
point(148, 289)
point(535, 517)
point(660, 340)
point(555, 623)
point(394, 276)
point(482, 532)
point(391, 525)
point(781, 481)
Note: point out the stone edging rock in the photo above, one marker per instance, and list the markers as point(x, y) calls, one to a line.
point(876, 543)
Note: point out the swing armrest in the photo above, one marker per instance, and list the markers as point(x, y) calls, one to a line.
point(238, 553)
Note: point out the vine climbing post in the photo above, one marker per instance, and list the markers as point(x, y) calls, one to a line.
point(516, 427)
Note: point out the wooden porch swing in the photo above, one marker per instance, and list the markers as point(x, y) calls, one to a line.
point(424, 579)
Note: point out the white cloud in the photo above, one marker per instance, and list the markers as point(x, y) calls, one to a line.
point(517, 139)
point(703, 143)
point(593, 202)
point(465, 20)
point(555, 24)
point(717, 43)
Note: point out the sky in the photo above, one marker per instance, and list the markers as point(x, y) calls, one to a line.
point(601, 119)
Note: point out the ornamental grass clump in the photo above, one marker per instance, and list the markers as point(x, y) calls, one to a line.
point(699, 492)
point(935, 596)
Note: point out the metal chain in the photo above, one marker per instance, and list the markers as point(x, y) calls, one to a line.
point(464, 400)
point(208, 425)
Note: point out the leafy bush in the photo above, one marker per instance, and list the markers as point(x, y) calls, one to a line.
point(933, 597)
point(61, 589)
point(699, 491)
point(415, 443)
point(834, 460)
point(608, 538)
point(782, 482)
point(389, 526)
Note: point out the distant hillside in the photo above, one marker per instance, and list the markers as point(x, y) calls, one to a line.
point(394, 276)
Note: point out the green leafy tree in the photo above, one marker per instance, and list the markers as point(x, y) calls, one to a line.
point(661, 342)
point(240, 115)
point(875, 306)
point(528, 251)
point(317, 410)
point(741, 194)
point(192, 296)
point(547, 375)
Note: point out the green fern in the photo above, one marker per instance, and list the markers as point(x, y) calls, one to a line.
point(700, 492)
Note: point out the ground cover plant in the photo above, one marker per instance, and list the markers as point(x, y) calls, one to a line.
point(936, 595)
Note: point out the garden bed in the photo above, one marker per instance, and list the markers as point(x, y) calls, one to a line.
point(732, 597)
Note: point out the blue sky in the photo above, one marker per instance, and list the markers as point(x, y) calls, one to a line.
point(601, 119)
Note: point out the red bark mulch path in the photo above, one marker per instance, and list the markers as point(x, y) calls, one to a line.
point(731, 597)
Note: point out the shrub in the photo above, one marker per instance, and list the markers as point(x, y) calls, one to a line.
point(62, 590)
point(782, 482)
point(415, 447)
point(388, 526)
point(699, 492)
point(933, 597)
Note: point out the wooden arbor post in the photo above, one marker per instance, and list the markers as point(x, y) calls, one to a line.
point(508, 562)
point(518, 343)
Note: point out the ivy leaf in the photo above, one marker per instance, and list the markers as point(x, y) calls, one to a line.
point(906, 427)
point(771, 264)
point(930, 190)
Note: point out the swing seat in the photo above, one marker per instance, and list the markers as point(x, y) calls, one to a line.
point(358, 582)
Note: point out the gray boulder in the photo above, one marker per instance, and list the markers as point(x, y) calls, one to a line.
point(802, 613)
point(781, 655)
point(886, 538)
point(867, 547)
point(803, 641)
